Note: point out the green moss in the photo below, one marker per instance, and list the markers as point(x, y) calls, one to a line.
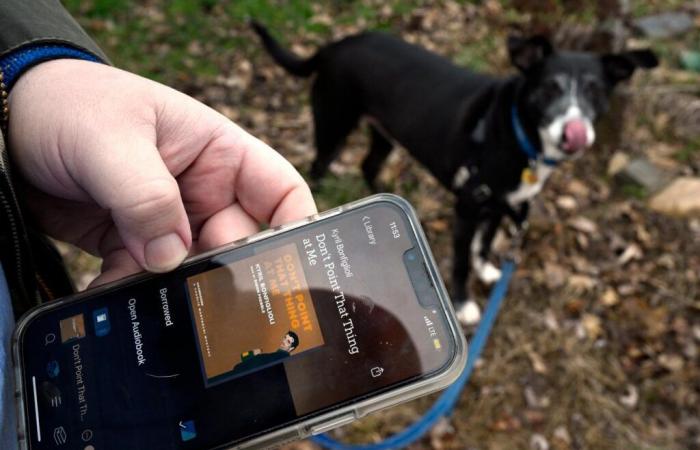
point(336, 190)
point(634, 190)
point(689, 152)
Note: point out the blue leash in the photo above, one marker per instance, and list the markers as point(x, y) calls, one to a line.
point(447, 401)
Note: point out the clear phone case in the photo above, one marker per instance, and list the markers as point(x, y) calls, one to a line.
point(320, 423)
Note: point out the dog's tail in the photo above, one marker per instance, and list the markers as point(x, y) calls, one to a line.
point(285, 58)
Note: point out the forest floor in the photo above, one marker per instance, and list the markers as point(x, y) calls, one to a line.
point(597, 344)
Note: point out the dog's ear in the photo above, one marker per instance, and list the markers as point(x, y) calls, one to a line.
point(525, 53)
point(621, 66)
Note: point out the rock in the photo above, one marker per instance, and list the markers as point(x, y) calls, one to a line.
point(681, 108)
point(642, 172)
point(680, 198)
point(566, 202)
point(690, 60)
point(618, 162)
point(664, 25)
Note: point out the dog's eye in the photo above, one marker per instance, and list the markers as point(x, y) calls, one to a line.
point(592, 89)
point(551, 89)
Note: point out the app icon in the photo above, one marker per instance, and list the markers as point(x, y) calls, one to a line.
point(187, 430)
point(49, 339)
point(51, 394)
point(60, 436)
point(86, 435)
point(53, 369)
point(100, 318)
point(72, 328)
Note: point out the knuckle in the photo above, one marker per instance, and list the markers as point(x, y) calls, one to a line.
point(154, 198)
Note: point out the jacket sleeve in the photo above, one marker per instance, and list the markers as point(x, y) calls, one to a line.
point(25, 22)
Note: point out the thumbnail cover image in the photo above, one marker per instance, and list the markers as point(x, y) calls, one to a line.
point(252, 313)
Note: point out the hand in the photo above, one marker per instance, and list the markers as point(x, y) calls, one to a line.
point(138, 173)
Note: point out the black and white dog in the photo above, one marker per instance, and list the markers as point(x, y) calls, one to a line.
point(492, 141)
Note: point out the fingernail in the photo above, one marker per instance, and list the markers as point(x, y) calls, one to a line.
point(164, 253)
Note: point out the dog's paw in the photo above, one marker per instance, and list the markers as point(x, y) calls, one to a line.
point(488, 273)
point(469, 313)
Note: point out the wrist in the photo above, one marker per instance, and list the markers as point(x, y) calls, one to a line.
point(18, 61)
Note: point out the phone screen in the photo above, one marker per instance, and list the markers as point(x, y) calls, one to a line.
point(248, 341)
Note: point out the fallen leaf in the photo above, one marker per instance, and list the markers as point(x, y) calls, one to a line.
point(439, 225)
point(583, 224)
point(507, 423)
point(581, 283)
point(672, 362)
point(538, 442)
point(562, 434)
point(592, 325)
point(631, 397)
point(533, 400)
point(554, 275)
point(537, 361)
point(610, 297)
point(534, 417)
point(632, 252)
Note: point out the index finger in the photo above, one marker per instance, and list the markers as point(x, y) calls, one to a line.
point(267, 186)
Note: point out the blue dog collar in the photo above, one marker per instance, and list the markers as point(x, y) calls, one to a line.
point(524, 143)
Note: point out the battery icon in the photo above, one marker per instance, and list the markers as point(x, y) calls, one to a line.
point(436, 344)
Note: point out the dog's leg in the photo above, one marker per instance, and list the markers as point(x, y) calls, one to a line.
point(481, 248)
point(335, 116)
point(520, 218)
point(380, 148)
point(467, 309)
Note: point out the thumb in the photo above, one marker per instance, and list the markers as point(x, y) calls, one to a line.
point(133, 182)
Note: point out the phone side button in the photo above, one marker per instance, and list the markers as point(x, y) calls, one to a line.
point(332, 423)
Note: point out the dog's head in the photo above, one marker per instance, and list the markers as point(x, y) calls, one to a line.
point(565, 92)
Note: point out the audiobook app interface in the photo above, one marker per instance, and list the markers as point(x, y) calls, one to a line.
point(232, 347)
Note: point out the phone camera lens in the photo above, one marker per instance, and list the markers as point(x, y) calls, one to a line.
point(411, 256)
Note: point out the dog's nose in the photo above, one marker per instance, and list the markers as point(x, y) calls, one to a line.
point(575, 136)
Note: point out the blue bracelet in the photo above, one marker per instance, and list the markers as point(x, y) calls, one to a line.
point(22, 59)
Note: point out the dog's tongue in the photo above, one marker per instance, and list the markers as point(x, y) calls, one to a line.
point(575, 138)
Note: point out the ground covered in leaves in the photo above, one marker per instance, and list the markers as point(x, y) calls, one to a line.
point(597, 344)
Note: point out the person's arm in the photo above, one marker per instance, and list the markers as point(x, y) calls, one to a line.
point(31, 32)
point(35, 31)
point(25, 22)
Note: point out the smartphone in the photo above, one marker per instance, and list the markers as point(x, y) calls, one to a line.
point(288, 333)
